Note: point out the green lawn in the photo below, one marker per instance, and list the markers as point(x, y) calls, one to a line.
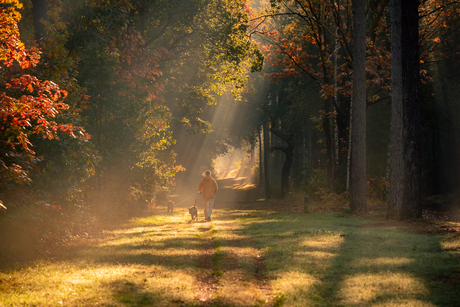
point(246, 258)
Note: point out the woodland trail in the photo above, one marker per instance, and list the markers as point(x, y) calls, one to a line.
point(230, 269)
point(159, 260)
point(250, 254)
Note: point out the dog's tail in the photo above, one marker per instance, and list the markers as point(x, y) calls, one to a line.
point(195, 203)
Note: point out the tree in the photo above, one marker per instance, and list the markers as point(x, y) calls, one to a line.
point(305, 40)
point(211, 53)
point(297, 53)
point(266, 133)
point(28, 106)
point(405, 168)
point(294, 33)
point(358, 135)
point(40, 14)
point(438, 36)
point(282, 123)
point(147, 69)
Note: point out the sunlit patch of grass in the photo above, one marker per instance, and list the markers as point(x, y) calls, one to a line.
point(382, 262)
point(323, 242)
point(368, 289)
point(48, 284)
point(296, 288)
point(53, 285)
point(179, 216)
point(451, 243)
point(236, 290)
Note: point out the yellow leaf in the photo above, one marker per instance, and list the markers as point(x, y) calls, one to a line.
point(30, 88)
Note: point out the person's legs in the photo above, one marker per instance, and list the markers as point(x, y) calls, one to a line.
point(211, 203)
point(206, 205)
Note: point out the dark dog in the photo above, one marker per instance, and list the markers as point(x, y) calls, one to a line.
point(193, 211)
point(170, 206)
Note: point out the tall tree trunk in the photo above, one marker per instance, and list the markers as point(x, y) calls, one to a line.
point(260, 159)
point(396, 151)
point(266, 158)
point(249, 165)
point(328, 138)
point(336, 120)
point(39, 12)
point(405, 160)
point(358, 160)
point(412, 113)
point(252, 157)
point(142, 11)
point(456, 151)
point(297, 168)
point(350, 147)
point(286, 170)
point(328, 118)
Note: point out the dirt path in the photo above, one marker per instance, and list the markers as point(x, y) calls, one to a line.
point(231, 270)
point(238, 268)
point(207, 281)
point(262, 281)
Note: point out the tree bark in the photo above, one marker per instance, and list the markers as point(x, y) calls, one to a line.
point(39, 12)
point(411, 111)
point(396, 151)
point(286, 170)
point(328, 138)
point(142, 11)
point(350, 147)
point(405, 155)
point(358, 160)
point(266, 157)
point(260, 158)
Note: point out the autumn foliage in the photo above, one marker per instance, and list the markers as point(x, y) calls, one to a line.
point(28, 105)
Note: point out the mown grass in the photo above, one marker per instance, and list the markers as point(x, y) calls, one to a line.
point(260, 258)
point(332, 260)
point(150, 263)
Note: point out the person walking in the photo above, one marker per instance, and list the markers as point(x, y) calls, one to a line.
point(208, 188)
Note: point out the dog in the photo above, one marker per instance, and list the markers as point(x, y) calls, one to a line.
point(170, 206)
point(193, 211)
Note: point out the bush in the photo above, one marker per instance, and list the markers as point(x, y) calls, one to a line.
point(377, 188)
point(316, 185)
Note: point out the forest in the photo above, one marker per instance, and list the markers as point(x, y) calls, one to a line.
point(109, 107)
point(330, 126)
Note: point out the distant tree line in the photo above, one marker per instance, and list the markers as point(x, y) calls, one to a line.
point(106, 102)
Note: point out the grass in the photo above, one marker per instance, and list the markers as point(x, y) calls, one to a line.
point(246, 258)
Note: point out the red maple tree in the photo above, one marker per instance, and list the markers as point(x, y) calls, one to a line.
point(27, 105)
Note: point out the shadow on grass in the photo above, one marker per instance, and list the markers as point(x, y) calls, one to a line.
point(370, 266)
point(392, 268)
point(132, 294)
point(336, 260)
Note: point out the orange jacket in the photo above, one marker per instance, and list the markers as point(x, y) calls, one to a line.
point(208, 187)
